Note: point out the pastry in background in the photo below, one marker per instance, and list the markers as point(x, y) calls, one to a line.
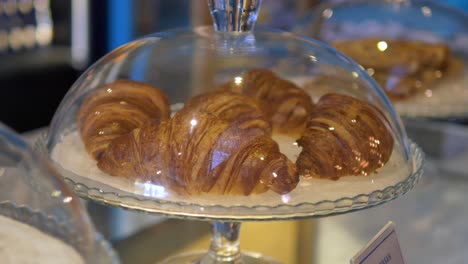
point(402, 67)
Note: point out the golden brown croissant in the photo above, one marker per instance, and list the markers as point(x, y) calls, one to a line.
point(344, 136)
point(219, 143)
point(285, 104)
point(116, 109)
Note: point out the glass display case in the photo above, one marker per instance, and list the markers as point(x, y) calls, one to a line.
point(42, 221)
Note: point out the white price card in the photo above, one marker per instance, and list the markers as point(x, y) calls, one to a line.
point(382, 249)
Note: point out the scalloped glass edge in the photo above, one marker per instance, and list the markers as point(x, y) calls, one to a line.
point(244, 213)
point(49, 224)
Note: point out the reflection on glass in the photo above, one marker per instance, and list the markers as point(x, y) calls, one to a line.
point(41, 220)
point(408, 47)
point(382, 45)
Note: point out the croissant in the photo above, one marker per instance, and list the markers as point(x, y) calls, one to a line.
point(399, 86)
point(218, 143)
point(344, 136)
point(116, 109)
point(285, 104)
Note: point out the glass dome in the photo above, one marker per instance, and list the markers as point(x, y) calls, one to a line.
point(416, 50)
point(42, 221)
point(198, 122)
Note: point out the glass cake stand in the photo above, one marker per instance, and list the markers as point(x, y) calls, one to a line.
point(441, 92)
point(186, 65)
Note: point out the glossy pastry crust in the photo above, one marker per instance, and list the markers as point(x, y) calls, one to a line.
point(219, 143)
point(285, 104)
point(344, 136)
point(116, 109)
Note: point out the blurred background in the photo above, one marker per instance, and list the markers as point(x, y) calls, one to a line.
point(46, 44)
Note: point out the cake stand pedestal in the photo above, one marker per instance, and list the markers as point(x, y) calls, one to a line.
point(224, 248)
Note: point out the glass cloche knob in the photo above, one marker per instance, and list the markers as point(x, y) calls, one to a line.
point(234, 15)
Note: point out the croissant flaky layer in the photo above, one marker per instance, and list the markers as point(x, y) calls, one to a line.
point(116, 109)
point(285, 104)
point(219, 143)
point(345, 136)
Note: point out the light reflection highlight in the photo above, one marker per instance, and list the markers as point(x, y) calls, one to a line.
point(238, 80)
point(193, 124)
point(327, 13)
point(427, 12)
point(151, 190)
point(428, 93)
point(67, 199)
point(218, 157)
point(382, 46)
point(56, 193)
